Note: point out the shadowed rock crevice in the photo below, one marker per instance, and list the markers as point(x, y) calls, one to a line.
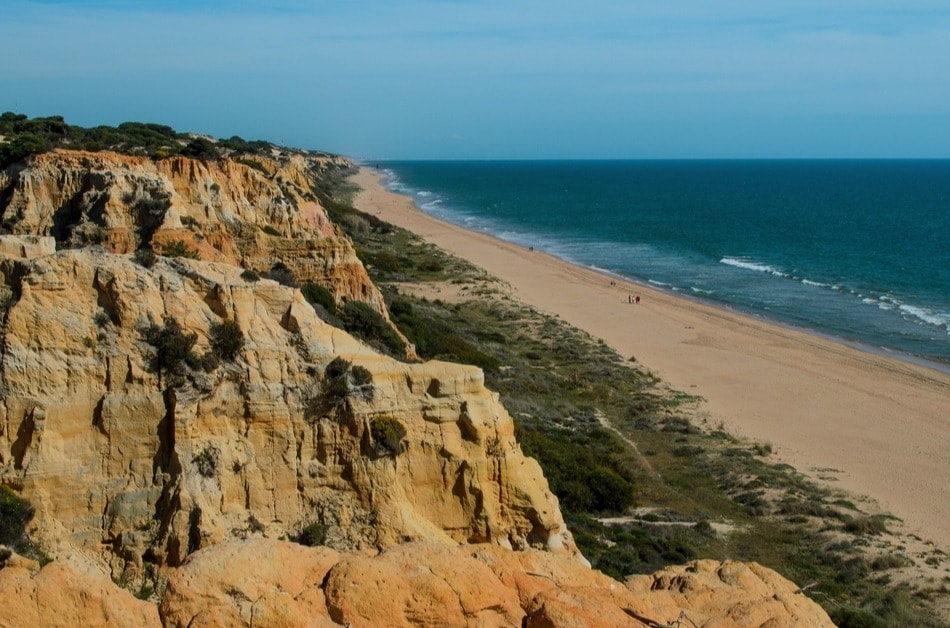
point(24, 439)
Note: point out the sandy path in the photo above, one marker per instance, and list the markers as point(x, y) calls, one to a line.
point(879, 426)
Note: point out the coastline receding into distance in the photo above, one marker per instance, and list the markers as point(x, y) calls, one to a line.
point(849, 249)
point(875, 423)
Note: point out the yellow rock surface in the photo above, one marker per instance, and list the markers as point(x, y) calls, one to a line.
point(116, 459)
point(217, 208)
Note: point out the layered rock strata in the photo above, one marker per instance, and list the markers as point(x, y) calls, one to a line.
point(137, 469)
point(254, 216)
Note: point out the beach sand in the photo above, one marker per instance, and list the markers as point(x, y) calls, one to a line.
point(870, 424)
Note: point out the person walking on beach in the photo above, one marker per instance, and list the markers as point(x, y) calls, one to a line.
point(637, 299)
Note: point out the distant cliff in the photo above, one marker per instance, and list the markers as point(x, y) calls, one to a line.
point(256, 216)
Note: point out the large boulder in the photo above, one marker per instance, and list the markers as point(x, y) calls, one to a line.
point(69, 594)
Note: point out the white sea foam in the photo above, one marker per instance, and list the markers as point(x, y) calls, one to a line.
point(746, 264)
point(750, 265)
point(887, 305)
point(939, 319)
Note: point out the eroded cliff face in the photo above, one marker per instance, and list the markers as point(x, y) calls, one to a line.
point(217, 208)
point(135, 467)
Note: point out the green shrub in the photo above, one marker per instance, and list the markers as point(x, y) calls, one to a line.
point(891, 561)
point(145, 257)
point(200, 148)
point(145, 592)
point(312, 535)
point(865, 525)
point(209, 361)
point(178, 248)
point(256, 165)
point(227, 339)
point(250, 275)
point(435, 339)
point(388, 434)
point(269, 230)
point(21, 147)
point(582, 480)
point(315, 294)
point(337, 367)
point(431, 265)
point(366, 323)
point(336, 388)
point(340, 381)
point(386, 262)
point(173, 347)
point(361, 376)
point(148, 212)
point(15, 514)
point(891, 608)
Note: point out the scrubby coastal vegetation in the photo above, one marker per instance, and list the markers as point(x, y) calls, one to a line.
point(643, 478)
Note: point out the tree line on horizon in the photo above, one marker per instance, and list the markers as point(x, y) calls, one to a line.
point(24, 136)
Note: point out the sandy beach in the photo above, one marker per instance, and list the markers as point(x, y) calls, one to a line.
point(870, 424)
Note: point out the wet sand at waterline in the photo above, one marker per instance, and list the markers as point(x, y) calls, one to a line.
point(867, 423)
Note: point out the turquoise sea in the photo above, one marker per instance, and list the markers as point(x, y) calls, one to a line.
point(856, 250)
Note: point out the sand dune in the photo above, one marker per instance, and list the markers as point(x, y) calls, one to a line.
point(875, 425)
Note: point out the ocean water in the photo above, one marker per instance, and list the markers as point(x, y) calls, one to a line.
point(856, 250)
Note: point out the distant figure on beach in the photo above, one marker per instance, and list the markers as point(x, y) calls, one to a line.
point(637, 299)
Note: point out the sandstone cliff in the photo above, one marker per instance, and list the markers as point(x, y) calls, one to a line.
point(217, 208)
point(135, 469)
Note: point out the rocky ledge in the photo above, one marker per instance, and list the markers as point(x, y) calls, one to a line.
point(272, 583)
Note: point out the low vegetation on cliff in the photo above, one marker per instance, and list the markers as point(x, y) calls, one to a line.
point(15, 514)
point(31, 136)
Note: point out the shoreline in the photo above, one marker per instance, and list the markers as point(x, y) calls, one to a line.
point(872, 424)
point(884, 352)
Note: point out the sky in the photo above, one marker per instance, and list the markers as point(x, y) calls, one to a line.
point(498, 79)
